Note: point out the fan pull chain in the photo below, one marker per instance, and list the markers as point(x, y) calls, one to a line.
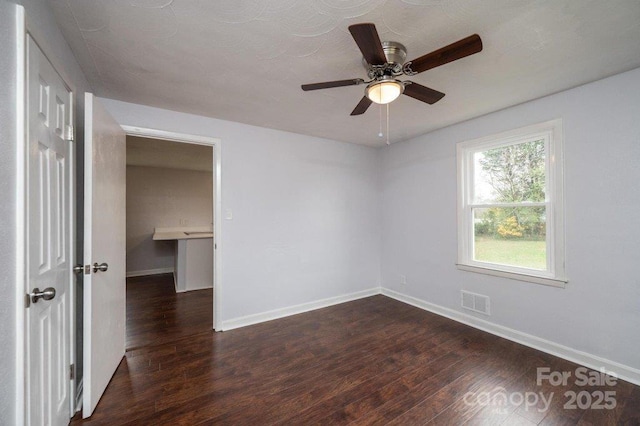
point(388, 143)
point(380, 132)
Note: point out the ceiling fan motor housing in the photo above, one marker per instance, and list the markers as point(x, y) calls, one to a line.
point(395, 53)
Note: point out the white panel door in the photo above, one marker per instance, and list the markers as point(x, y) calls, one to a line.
point(104, 244)
point(49, 111)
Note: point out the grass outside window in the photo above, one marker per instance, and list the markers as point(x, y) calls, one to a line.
point(523, 253)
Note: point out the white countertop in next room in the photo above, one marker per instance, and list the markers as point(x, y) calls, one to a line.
point(183, 233)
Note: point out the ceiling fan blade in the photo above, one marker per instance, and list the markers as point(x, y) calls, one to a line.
point(362, 106)
point(329, 84)
point(367, 39)
point(458, 50)
point(422, 93)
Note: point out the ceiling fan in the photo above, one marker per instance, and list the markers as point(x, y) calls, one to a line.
point(384, 62)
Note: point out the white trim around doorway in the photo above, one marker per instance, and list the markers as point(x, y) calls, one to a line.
point(21, 369)
point(217, 200)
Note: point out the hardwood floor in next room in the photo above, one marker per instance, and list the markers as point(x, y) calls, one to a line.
point(156, 314)
point(371, 361)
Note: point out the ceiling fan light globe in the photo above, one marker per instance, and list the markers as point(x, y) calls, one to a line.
point(384, 92)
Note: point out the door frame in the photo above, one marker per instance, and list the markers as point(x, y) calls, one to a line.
point(216, 144)
point(22, 367)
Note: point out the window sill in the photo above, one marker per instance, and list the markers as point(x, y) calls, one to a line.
point(553, 282)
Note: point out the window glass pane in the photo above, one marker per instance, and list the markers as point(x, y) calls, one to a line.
point(511, 236)
point(514, 173)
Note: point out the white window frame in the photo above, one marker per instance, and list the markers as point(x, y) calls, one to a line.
point(551, 132)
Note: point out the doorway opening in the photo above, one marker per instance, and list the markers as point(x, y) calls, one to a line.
point(169, 240)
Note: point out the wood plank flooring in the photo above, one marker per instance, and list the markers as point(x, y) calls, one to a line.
point(156, 314)
point(371, 361)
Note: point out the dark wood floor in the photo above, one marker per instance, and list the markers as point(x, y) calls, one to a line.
point(372, 361)
point(156, 314)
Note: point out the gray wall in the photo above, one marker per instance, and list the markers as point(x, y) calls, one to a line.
point(159, 197)
point(41, 24)
point(305, 220)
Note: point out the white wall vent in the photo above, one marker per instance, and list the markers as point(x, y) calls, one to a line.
point(475, 302)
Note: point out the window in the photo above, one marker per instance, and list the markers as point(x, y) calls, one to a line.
point(510, 209)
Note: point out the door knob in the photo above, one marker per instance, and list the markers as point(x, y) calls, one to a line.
point(46, 294)
point(101, 267)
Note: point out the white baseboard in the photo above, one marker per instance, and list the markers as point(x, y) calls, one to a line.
point(622, 371)
point(192, 289)
point(297, 309)
point(157, 271)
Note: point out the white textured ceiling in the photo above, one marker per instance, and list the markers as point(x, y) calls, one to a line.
point(244, 60)
point(169, 155)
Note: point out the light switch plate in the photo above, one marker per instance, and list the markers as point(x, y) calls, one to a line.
point(228, 214)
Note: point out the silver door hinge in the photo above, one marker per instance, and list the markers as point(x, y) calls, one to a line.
point(70, 133)
point(72, 371)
